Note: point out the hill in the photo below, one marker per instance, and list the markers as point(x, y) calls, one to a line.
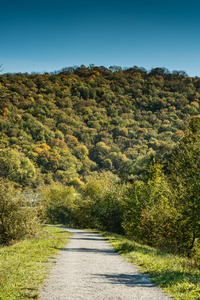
point(66, 125)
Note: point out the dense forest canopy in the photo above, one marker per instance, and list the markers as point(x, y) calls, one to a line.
point(65, 125)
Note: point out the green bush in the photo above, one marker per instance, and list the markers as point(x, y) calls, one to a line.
point(56, 203)
point(103, 197)
point(16, 218)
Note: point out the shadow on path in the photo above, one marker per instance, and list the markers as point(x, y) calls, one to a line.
point(130, 280)
point(88, 239)
point(89, 250)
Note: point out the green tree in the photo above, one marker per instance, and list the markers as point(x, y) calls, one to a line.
point(17, 167)
point(185, 177)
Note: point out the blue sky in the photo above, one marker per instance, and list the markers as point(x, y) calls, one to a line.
point(47, 35)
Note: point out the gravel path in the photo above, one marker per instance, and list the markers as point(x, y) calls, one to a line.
point(88, 268)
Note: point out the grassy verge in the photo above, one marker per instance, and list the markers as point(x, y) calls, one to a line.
point(178, 276)
point(24, 266)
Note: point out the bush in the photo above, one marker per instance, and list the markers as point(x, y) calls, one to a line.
point(104, 198)
point(16, 218)
point(56, 203)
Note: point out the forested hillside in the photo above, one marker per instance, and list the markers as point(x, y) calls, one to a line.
point(66, 125)
point(113, 149)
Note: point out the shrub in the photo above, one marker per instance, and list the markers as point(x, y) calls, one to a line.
point(56, 203)
point(17, 219)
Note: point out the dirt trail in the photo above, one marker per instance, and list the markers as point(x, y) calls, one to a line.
point(88, 268)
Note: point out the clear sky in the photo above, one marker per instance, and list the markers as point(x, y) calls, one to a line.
point(47, 35)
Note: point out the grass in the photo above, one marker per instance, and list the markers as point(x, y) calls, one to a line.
point(24, 265)
point(179, 277)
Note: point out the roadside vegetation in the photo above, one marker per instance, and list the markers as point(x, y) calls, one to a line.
point(24, 265)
